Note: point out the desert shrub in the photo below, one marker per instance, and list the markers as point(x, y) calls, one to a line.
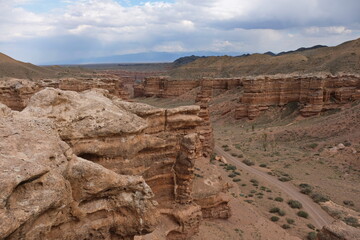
point(225, 146)
point(303, 214)
point(312, 145)
point(279, 199)
point(284, 179)
point(311, 236)
point(312, 227)
point(305, 188)
point(254, 181)
point(236, 180)
point(282, 213)
point(285, 226)
point(248, 162)
point(237, 173)
point(263, 165)
point(249, 201)
point(347, 144)
point(274, 218)
point(212, 157)
point(352, 221)
point(318, 197)
point(348, 203)
point(237, 146)
point(294, 204)
point(227, 149)
point(290, 221)
point(232, 175)
point(240, 156)
point(274, 210)
point(230, 167)
point(234, 154)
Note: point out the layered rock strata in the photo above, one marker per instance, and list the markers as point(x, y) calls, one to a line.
point(314, 93)
point(338, 231)
point(47, 192)
point(15, 93)
point(165, 87)
point(161, 145)
point(203, 98)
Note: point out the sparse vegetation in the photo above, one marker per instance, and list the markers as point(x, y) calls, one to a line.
point(295, 204)
point(290, 221)
point(311, 236)
point(279, 199)
point(305, 188)
point(352, 221)
point(303, 214)
point(348, 203)
point(312, 227)
point(312, 145)
point(274, 210)
point(248, 162)
point(232, 175)
point(236, 180)
point(274, 218)
point(263, 165)
point(285, 226)
point(318, 197)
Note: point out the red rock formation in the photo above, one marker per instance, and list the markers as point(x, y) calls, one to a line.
point(338, 231)
point(314, 93)
point(16, 93)
point(202, 99)
point(160, 145)
point(47, 192)
point(166, 87)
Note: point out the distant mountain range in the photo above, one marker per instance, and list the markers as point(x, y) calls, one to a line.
point(146, 57)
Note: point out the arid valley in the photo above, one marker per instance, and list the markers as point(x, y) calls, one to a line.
point(199, 150)
point(179, 120)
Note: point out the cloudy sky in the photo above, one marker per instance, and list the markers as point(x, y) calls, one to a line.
point(41, 31)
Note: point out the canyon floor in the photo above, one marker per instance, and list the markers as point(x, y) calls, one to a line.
point(322, 153)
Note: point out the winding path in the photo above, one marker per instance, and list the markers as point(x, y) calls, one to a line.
point(316, 213)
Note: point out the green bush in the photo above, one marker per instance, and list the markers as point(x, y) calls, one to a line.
point(282, 213)
point(312, 227)
point(285, 226)
point(294, 204)
point(230, 167)
point(284, 179)
point(312, 145)
point(352, 221)
point(274, 218)
point(348, 203)
point(279, 199)
point(248, 162)
point(303, 214)
point(232, 175)
point(263, 165)
point(311, 236)
point(305, 188)
point(318, 197)
point(236, 180)
point(274, 210)
point(290, 221)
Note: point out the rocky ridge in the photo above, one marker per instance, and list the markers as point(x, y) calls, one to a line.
point(143, 149)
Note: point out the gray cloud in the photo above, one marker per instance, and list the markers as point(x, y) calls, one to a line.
point(91, 28)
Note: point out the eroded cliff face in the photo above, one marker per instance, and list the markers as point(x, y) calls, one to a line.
point(15, 93)
point(338, 230)
point(314, 93)
point(47, 192)
point(124, 138)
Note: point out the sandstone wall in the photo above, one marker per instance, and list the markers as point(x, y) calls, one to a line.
point(15, 93)
point(165, 87)
point(47, 192)
point(314, 93)
point(161, 145)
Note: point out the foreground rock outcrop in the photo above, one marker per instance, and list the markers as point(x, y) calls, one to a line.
point(47, 192)
point(114, 156)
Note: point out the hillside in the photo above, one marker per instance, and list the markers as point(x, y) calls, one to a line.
point(342, 58)
point(10, 67)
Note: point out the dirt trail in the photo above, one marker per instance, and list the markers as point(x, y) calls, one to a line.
point(319, 216)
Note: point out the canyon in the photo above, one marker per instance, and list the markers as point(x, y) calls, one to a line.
point(116, 161)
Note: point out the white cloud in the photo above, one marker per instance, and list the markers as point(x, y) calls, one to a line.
point(185, 25)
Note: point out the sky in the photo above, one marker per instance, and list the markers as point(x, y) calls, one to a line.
point(41, 31)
